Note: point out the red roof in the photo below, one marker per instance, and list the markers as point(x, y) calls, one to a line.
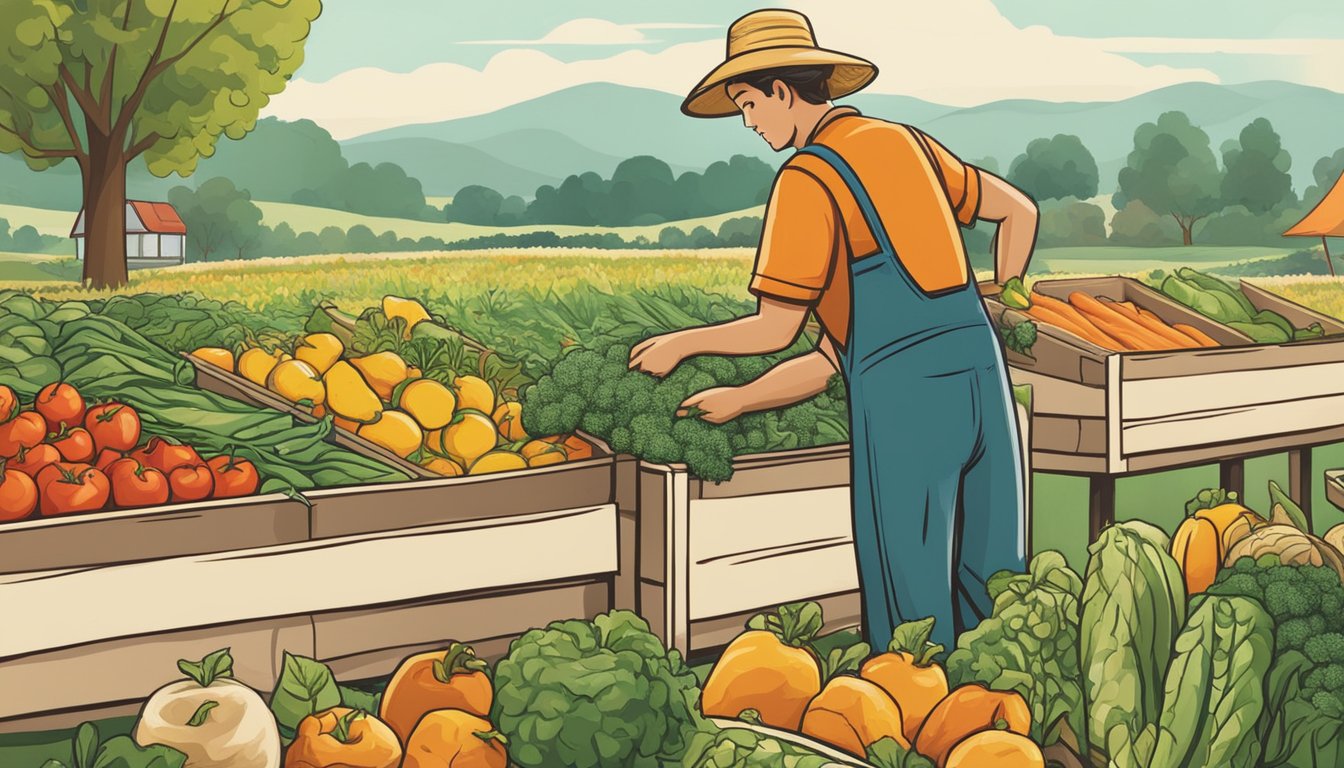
point(143, 217)
point(159, 218)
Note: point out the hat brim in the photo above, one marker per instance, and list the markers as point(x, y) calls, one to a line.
point(710, 97)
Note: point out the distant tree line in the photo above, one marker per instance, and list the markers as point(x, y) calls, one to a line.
point(223, 223)
point(642, 191)
point(27, 239)
point(1173, 189)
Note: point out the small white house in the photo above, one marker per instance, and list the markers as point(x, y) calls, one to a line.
point(155, 235)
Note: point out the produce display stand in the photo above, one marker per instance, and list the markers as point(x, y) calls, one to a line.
point(1334, 487)
point(1103, 415)
point(357, 576)
point(699, 558)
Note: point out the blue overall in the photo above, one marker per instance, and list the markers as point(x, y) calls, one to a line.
point(937, 485)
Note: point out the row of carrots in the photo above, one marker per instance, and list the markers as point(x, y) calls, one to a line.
point(1115, 325)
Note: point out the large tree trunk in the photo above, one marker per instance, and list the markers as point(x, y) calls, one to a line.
point(1185, 233)
point(104, 215)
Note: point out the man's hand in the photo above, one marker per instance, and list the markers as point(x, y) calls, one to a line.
point(657, 355)
point(717, 405)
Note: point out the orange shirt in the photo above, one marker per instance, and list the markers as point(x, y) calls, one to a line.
point(921, 191)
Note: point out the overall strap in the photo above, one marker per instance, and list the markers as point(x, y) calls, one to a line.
point(856, 188)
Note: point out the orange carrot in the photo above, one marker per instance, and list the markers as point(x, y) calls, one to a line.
point(1152, 323)
point(1088, 333)
point(1203, 338)
point(1130, 333)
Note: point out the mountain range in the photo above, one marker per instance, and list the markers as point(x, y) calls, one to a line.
point(593, 127)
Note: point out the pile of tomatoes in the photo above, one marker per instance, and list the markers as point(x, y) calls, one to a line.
point(65, 455)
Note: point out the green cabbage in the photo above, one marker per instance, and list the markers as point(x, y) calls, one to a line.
point(1030, 645)
point(1215, 691)
point(585, 694)
point(1133, 608)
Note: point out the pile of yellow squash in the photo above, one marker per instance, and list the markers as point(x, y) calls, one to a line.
point(464, 428)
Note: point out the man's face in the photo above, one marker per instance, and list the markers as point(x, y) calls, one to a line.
point(766, 113)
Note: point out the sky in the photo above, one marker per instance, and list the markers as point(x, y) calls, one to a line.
point(373, 65)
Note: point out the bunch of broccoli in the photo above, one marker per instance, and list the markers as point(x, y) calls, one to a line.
point(1307, 605)
point(595, 390)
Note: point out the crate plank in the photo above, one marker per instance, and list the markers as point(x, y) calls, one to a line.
point(131, 535)
point(275, 581)
point(1053, 396)
point(1334, 487)
point(128, 670)
point(806, 469)
point(842, 611)
point(369, 641)
point(371, 508)
point(1230, 425)
point(1164, 365)
point(1192, 395)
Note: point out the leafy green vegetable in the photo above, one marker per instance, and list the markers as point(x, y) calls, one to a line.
point(636, 413)
point(1278, 498)
point(742, 748)
point(1239, 306)
point(1306, 604)
point(354, 698)
point(1313, 331)
point(1015, 295)
point(595, 693)
point(1133, 608)
point(1208, 499)
point(1294, 734)
point(117, 752)
point(1260, 333)
point(202, 712)
point(1018, 337)
point(888, 753)
point(305, 687)
point(1029, 644)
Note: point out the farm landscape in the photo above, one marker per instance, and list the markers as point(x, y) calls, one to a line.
point(355, 370)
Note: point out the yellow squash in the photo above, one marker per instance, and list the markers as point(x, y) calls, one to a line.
point(497, 461)
point(383, 370)
point(320, 350)
point(394, 431)
point(430, 403)
point(216, 356)
point(349, 396)
point(469, 436)
point(475, 393)
point(297, 381)
point(255, 364)
point(410, 310)
point(509, 417)
point(1203, 540)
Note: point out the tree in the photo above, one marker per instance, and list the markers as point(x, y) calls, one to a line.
point(105, 83)
point(1326, 172)
point(218, 214)
point(1257, 170)
point(1070, 222)
point(1053, 169)
point(475, 204)
point(1172, 171)
point(279, 159)
point(1136, 224)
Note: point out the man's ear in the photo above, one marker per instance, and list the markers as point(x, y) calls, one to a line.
point(782, 92)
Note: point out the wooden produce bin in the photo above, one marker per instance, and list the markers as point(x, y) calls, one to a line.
point(1334, 487)
point(1104, 414)
point(700, 558)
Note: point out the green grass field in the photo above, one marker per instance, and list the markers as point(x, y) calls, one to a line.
point(1126, 260)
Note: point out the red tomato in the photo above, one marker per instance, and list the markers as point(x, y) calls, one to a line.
point(165, 456)
point(9, 404)
point(18, 494)
point(30, 461)
point(114, 426)
point(106, 458)
point(72, 488)
point(75, 445)
point(191, 483)
point(135, 485)
point(61, 405)
point(233, 477)
point(23, 431)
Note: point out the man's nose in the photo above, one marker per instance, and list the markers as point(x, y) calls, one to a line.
point(746, 120)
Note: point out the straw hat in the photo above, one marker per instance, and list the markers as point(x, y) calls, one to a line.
point(770, 39)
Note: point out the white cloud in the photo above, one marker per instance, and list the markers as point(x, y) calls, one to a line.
point(957, 52)
point(594, 32)
point(1316, 61)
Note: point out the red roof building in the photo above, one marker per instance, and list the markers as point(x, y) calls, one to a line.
point(155, 235)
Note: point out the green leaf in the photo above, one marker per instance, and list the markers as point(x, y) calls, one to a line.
point(1208, 499)
point(353, 698)
point(202, 711)
point(86, 745)
point(1290, 507)
point(206, 671)
point(306, 687)
point(844, 660)
point(123, 752)
point(342, 730)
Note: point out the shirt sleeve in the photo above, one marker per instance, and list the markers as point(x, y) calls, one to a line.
point(961, 180)
point(797, 240)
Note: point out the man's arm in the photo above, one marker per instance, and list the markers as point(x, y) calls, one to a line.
point(775, 326)
point(789, 382)
point(1017, 217)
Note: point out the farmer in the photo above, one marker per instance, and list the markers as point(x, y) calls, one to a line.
point(862, 229)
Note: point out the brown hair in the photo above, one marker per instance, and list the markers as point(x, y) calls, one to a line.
point(812, 84)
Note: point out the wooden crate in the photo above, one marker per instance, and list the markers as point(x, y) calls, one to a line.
point(707, 556)
point(215, 379)
point(1099, 412)
point(1334, 487)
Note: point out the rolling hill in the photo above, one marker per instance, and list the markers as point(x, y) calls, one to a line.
point(444, 167)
